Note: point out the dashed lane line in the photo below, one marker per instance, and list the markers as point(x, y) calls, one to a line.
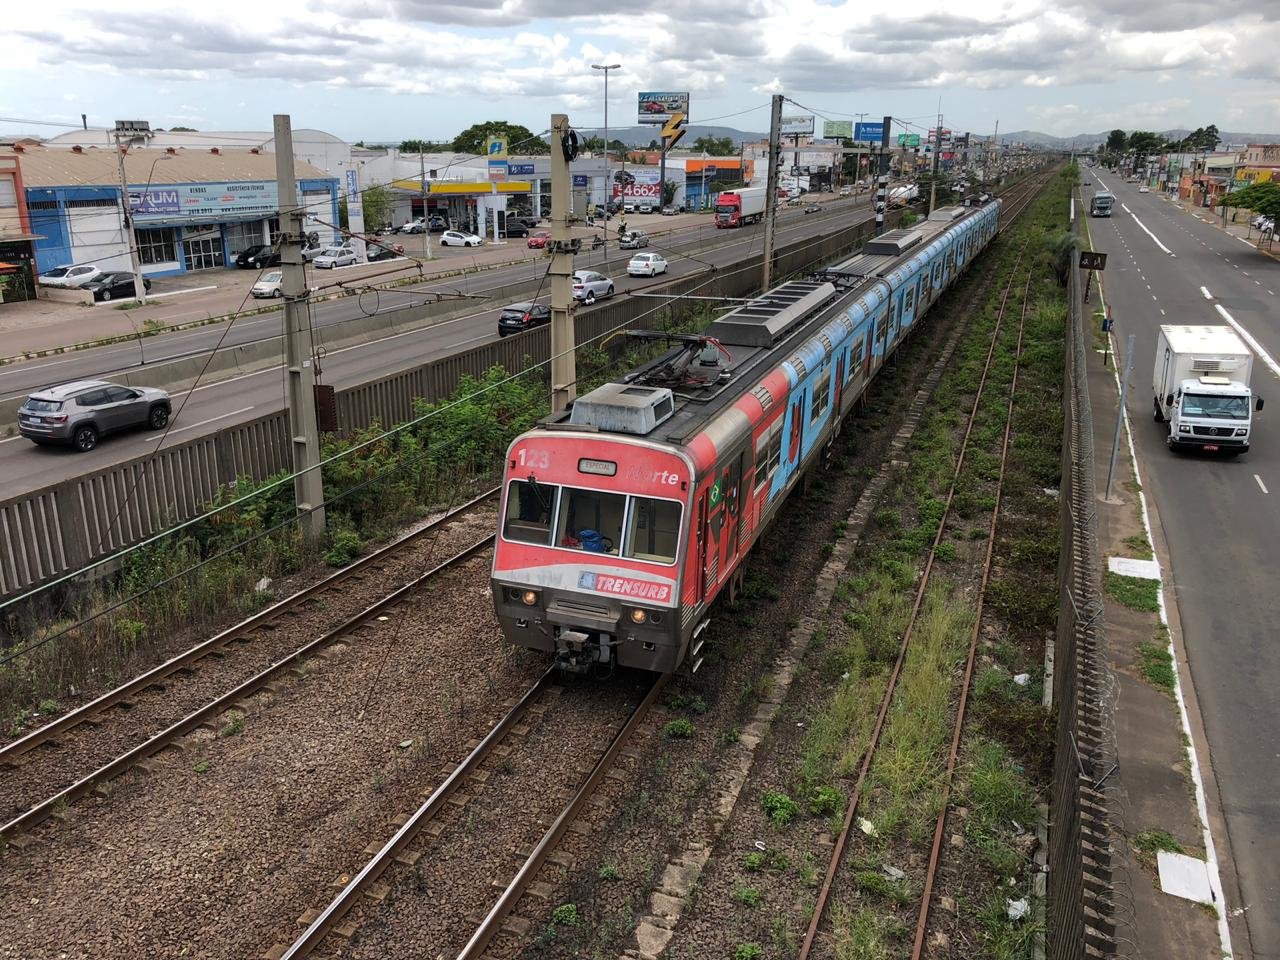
point(1207, 294)
point(1262, 486)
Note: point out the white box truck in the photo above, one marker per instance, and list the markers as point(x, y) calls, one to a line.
point(1200, 388)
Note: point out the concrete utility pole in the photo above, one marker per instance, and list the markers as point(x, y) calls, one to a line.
point(422, 175)
point(882, 176)
point(771, 196)
point(937, 164)
point(563, 364)
point(308, 488)
point(608, 185)
point(131, 234)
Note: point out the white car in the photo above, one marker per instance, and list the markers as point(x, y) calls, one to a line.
point(647, 265)
point(589, 286)
point(335, 257)
point(1144, 189)
point(452, 238)
point(269, 285)
point(69, 276)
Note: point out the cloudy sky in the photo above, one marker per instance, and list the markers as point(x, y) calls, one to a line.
point(392, 69)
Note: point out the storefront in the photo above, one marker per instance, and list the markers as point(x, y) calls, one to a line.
point(190, 212)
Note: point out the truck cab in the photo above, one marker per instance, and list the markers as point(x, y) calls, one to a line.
point(1101, 204)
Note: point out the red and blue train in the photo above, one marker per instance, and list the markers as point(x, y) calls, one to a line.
point(624, 517)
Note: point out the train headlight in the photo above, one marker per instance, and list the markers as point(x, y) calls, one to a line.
point(639, 616)
point(529, 597)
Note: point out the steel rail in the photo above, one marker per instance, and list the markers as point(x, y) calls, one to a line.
point(922, 923)
point(320, 928)
point(11, 751)
point(213, 708)
point(524, 877)
point(886, 701)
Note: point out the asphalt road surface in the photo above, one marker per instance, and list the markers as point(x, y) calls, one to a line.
point(25, 467)
point(1218, 517)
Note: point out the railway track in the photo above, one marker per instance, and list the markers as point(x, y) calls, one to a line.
point(845, 839)
point(328, 929)
point(67, 759)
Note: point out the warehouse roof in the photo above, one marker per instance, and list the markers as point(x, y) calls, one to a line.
point(44, 167)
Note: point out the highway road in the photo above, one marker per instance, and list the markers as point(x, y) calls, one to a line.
point(210, 407)
point(1218, 517)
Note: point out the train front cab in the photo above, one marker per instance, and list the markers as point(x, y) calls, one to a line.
point(586, 563)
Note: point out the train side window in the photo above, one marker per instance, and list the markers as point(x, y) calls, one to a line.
point(653, 530)
point(590, 520)
point(530, 507)
point(911, 299)
point(821, 396)
point(768, 455)
point(857, 357)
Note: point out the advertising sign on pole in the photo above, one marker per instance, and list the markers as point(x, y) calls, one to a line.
point(497, 148)
point(908, 139)
point(355, 201)
point(869, 132)
point(520, 169)
point(641, 184)
point(658, 107)
point(831, 129)
point(497, 171)
point(580, 180)
point(797, 126)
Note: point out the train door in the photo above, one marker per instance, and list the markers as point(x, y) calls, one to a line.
point(702, 531)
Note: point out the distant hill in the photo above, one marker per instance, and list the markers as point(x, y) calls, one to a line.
point(1085, 141)
point(639, 136)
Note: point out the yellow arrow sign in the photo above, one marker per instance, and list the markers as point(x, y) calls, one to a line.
point(673, 130)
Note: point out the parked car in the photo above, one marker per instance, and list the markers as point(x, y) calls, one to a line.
point(311, 251)
point(1144, 189)
point(113, 286)
point(670, 210)
point(383, 251)
point(813, 208)
point(538, 240)
point(79, 413)
point(69, 276)
point(514, 228)
point(269, 285)
point(629, 207)
point(796, 200)
point(846, 191)
point(647, 265)
point(256, 257)
point(414, 226)
point(335, 257)
point(589, 286)
point(454, 238)
point(633, 240)
point(522, 316)
point(437, 225)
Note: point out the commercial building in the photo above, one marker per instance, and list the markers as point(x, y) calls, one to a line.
point(192, 210)
point(17, 251)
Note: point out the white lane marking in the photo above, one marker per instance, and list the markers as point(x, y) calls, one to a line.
point(1207, 294)
point(1153, 296)
point(161, 436)
point(1245, 242)
point(1162, 311)
point(1261, 485)
point(1248, 338)
point(1245, 272)
point(38, 366)
point(1148, 232)
point(11, 439)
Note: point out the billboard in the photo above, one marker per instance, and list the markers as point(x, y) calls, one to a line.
point(869, 132)
point(797, 126)
point(242, 199)
point(658, 107)
point(520, 169)
point(908, 139)
point(643, 184)
point(836, 128)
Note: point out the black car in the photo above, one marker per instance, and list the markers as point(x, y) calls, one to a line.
point(376, 251)
point(114, 286)
point(516, 228)
point(522, 316)
point(258, 256)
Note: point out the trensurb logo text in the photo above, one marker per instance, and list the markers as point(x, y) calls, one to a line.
point(625, 587)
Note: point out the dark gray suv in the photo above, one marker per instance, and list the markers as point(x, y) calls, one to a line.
point(79, 413)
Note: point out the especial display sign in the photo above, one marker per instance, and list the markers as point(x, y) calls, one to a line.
point(658, 107)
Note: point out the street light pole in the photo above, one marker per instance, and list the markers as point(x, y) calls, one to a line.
point(608, 184)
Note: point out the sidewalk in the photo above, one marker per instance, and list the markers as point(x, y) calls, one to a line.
point(46, 325)
point(1156, 727)
point(1239, 227)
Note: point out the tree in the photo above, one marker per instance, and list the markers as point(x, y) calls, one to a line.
point(377, 206)
point(594, 144)
point(1058, 250)
point(520, 140)
point(1261, 198)
point(1117, 141)
point(668, 192)
point(423, 146)
point(654, 145)
point(183, 130)
point(716, 146)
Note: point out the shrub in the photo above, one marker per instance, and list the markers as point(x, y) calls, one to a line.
point(565, 915)
point(344, 547)
point(748, 951)
point(679, 729)
point(825, 801)
point(748, 896)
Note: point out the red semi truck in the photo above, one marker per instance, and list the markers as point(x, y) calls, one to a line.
point(734, 208)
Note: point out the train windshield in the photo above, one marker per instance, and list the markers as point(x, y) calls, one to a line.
point(594, 521)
